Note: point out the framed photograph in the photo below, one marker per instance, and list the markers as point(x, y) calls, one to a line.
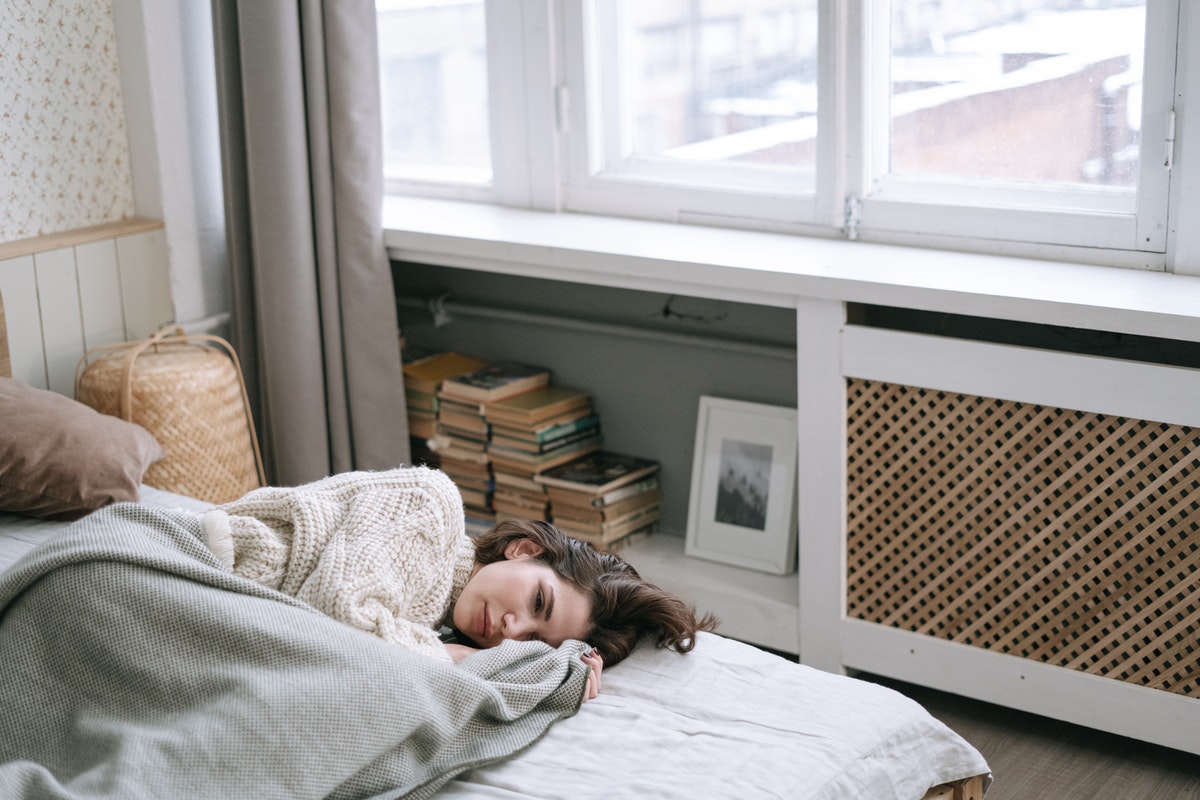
point(742, 507)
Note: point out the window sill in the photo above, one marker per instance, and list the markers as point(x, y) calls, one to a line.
point(777, 269)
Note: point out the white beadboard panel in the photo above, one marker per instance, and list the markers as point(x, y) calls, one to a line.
point(62, 329)
point(65, 293)
point(145, 283)
point(100, 293)
point(18, 285)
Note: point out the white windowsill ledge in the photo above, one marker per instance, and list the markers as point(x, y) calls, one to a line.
point(777, 269)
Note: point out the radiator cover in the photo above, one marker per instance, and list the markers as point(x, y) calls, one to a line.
point(1067, 537)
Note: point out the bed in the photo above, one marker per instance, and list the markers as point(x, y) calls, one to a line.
point(727, 720)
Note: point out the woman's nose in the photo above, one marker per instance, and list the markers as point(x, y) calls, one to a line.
point(515, 627)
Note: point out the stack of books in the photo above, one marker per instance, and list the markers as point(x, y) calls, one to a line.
point(605, 498)
point(531, 432)
point(462, 434)
point(424, 372)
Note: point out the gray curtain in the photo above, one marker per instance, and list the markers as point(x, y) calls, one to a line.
point(314, 313)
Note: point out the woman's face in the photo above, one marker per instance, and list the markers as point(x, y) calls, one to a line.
point(521, 598)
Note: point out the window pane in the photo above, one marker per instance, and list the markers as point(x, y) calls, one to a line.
point(1045, 91)
point(433, 75)
point(719, 81)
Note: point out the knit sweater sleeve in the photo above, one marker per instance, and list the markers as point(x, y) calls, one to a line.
point(381, 551)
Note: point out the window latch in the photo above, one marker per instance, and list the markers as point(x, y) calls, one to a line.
point(562, 108)
point(851, 216)
point(1170, 139)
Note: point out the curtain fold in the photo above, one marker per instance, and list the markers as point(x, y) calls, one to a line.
point(314, 312)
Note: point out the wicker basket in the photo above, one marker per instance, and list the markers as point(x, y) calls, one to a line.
point(190, 395)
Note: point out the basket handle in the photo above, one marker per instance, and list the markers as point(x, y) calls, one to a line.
point(126, 404)
point(170, 333)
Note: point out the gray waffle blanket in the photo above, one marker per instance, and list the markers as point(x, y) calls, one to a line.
point(134, 666)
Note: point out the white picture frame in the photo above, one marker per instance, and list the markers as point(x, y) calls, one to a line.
point(742, 506)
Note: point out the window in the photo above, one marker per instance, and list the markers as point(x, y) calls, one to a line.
point(1035, 124)
point(1038, 113)
point(434, 84)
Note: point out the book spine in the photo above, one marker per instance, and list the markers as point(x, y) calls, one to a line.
point(573, 497)
point(553, 444)
point(622, 492)
point(567, 428)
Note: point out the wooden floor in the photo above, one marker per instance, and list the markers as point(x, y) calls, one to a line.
point(1033, 757)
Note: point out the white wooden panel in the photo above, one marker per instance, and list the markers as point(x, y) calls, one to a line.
point(100, 293)
point(18, 285)
point(1148, 714)
point(145, 283)
point(820, 405)
point(1081, 383)
point(62, 330)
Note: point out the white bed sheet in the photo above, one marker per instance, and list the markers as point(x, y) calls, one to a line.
point(725, 721)
point(19, 534)
point(731, 721)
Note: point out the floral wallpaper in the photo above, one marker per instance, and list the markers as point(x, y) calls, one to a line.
point(64, 151)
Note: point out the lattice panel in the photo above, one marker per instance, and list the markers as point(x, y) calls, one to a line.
point(1062, 536)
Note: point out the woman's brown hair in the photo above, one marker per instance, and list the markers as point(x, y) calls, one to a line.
point(624, 606)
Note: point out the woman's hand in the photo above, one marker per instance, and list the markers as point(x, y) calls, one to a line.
point(593, 660)
point(459, 651)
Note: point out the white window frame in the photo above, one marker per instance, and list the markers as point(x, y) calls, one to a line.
point(601, 182)
point(1036, 215)
point(546, 121)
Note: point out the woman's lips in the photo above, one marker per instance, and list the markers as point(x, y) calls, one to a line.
point(485, 623)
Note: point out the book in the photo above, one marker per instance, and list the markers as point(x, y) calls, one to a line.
point(529, 408)
point(605, 513)
point(494, 382)
point(530, 464)
point(625, 541)
point(599, 472)
point(521, 483)
point(605, 532)
point(520, 505)
point(461, 440)
point(421, 401)
point(472, 424)
point(547, 433)
point(427, 374)
point(473, 497)
point(570, 497)
point(449, 448)
point(620, 543)
point(421, 425)
point(505, 444)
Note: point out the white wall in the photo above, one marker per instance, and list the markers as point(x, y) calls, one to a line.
point(167, 71)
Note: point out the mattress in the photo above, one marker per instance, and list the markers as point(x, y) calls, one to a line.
point(20, 534)
point(726, 720)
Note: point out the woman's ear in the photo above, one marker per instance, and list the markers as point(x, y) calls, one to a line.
point(522, 548)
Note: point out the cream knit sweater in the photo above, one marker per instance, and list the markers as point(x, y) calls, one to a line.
point(384, 551)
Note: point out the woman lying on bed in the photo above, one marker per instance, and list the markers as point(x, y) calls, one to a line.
point(386, 552)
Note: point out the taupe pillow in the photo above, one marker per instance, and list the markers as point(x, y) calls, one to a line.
point(60, 459)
